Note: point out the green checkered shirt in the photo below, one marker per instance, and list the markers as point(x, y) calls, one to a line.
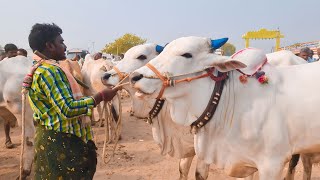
point(54, 107)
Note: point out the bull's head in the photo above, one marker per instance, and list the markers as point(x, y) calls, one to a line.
point(183, 57)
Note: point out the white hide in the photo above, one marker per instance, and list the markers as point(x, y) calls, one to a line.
point(255, 126)
point(172, 139)
point(92, 71)
point(284, 58)
point(12, 72)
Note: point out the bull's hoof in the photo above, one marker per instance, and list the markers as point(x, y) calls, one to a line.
point(9, 144)
point(131, 112)
point(25, 174)
point(101, 122)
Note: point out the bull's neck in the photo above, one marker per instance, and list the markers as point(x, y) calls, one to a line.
point(187, 108)
point(141, 107)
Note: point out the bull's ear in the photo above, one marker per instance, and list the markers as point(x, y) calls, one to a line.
point(229, 65)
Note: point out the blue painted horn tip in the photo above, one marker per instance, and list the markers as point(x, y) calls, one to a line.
point(217, 43)
point(159, 48)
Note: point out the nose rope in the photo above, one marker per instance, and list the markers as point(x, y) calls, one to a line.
point(120, 74)
point(169, 81)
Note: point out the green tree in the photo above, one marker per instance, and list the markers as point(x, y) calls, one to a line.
point(228, 49)
point(122, 44)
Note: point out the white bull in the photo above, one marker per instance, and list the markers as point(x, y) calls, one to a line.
point(92, 71)
point(256, 126)
point(173, 139)
point(285, 58)
point(12, 72)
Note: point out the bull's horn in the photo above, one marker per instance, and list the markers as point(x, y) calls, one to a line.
point(159, 48)
point(217, 43)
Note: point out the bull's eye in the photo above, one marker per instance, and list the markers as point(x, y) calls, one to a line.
point(142, 57)
point(187, 55)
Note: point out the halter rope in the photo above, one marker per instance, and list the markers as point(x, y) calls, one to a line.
point(168, 81)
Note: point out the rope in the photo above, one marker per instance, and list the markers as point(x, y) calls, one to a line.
point(24, 93)
point(112, 131)
point(179, 75)
point(27, 81)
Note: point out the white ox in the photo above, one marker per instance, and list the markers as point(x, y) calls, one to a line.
point(173, 139)
point(256, 126)
point(92, 71)
point(287, 58)
point(12, 72)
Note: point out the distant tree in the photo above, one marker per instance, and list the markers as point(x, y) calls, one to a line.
point(228, 49)
point(122, 44)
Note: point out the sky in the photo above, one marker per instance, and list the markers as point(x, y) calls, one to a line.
point(93, 24)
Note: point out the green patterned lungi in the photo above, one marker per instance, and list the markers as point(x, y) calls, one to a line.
point(63, 156)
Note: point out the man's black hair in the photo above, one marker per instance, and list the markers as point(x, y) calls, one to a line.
point(41, 34)
point(10, 47)
point(23, 51)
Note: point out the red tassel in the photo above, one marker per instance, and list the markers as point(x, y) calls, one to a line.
point(243, 79)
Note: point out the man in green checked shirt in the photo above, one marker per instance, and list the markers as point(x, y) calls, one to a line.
point(63, 144)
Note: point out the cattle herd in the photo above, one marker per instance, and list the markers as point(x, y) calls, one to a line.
point(249, 113)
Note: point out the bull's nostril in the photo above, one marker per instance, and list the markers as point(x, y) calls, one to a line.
point(134, 77)
point(106, 76)
point(137, 77)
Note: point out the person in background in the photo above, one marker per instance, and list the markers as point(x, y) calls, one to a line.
point(305, 53)
point(97, 56)
point(318, 53)
point(22, 52)
point(76, 58)
point(82, 57)
point(64, 147)
point(310, 58)
point(10, 50)
point(3, 55)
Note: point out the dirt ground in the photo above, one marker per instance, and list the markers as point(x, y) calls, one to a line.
point(137, 157)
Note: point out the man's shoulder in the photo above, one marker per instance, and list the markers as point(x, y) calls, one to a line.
point(47, 68)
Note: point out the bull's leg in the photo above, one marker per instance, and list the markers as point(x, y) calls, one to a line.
point(99, 112)
point(271, 171)
point(8, 142)
point(184, 167)
point(307, 166)
point(292, 167)
point(202, 170)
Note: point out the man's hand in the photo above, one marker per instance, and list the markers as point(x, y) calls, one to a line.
point(105, 95)
point(108, 94)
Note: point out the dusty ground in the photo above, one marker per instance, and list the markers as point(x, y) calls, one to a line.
point(137, 156)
